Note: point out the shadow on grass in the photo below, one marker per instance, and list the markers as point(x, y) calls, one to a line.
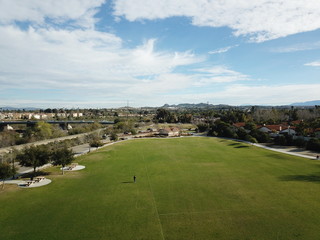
point(38, 173)
point(241, 146)
point(127, 182)
point(234, 144)
point(302, 178)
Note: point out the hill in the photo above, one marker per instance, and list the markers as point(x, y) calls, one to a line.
point(195, 105)
point(308, 103)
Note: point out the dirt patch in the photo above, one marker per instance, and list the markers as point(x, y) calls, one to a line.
point(8, 188)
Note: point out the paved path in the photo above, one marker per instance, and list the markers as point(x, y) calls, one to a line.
point(22, 183)
point(287, 150)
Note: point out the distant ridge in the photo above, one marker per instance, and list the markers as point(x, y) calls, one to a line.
point(308, 103)
point(19, 108)
point(195, 105)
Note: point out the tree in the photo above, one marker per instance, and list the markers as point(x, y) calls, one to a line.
point(249, 138)
point(8, 138)
point(164, 115)
point(260, 136)
point(6, 171)
point(250, 126)
point(242, 134)
point(113, 136)
point(222, 129)
point(43, 130)
point(185, 118)
point(62, 156)
point(34, 156)
point(202, 127)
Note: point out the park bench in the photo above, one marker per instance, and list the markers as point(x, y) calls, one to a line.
point(29, 183)
point(39, 179)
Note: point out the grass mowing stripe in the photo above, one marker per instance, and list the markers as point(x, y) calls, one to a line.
point(153, 199)
point(222, 210)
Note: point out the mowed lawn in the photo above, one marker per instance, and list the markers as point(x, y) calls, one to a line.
point(187, 188)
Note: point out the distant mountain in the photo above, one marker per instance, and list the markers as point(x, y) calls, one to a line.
point(19, 108)
point(195, 105)
point(309, 103)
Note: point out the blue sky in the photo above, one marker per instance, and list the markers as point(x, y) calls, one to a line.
point(97, 53)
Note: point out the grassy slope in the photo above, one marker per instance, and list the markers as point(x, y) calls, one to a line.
point(190, 188)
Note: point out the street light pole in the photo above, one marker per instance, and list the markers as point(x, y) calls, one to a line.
point(12, 160)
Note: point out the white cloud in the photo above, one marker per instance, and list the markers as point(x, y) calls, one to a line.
point(82, 60)
point(272, 95)
point(297, 47)
point(260, 20)
point(59, 11)
point(217, 74)
point(313, 64)
point(222, 50)
point(237, 94)
point(78, 61)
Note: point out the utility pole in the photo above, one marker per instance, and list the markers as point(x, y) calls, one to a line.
point(12, 160)
point(127, 109)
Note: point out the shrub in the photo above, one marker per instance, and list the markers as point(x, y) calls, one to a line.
point(249, 138)
point(113, 137)
point(280, 140)
point(202, 127)
point(313, 144)
point(299, 142)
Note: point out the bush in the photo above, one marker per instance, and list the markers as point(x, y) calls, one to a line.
point(202, 127)
point(222, 129)
point(261, 137)
point(96, 143)
point(280, 140)
point(249, 138)
point(313, 144)
point(114, 137)
point(242, 134)
point(299, 142)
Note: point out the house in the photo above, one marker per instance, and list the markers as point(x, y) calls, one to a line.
point(296, 122)
point(40, 116)
point(239, 124)
point(169, 132)
point(61, 115)
point(289, 131)
point(26, 116)
point(77, 114)
point(270, 128)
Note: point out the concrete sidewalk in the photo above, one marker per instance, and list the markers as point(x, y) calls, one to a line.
point(281, 150)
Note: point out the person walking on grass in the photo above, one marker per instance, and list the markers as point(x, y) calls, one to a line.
point(134, 178)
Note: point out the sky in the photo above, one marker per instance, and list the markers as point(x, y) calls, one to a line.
point(107, 53)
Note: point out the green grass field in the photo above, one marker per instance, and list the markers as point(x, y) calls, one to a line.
point(187, 188)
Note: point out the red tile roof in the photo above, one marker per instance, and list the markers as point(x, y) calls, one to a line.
point(239, 124)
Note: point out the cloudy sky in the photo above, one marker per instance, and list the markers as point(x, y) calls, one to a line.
point(103, 53)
